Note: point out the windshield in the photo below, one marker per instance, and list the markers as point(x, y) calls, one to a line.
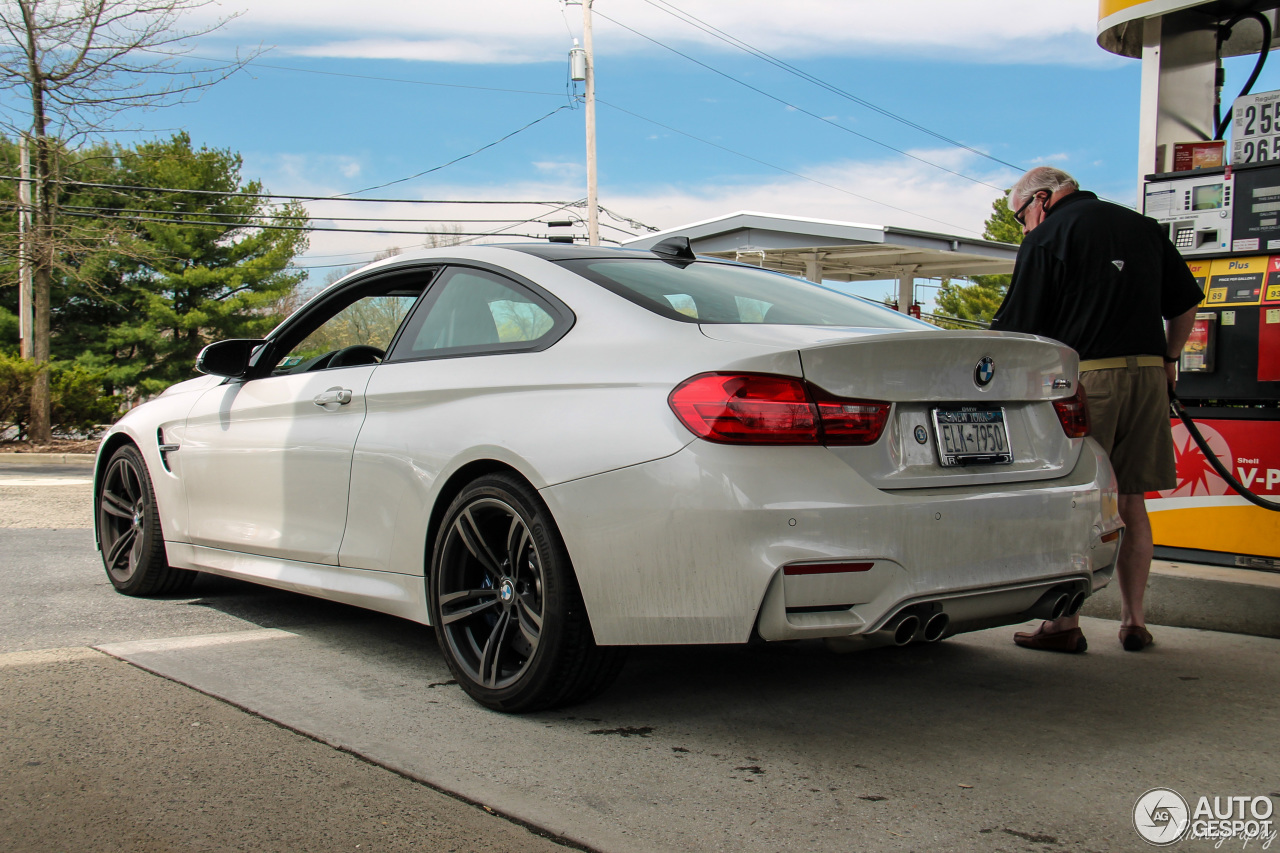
point(708, 292)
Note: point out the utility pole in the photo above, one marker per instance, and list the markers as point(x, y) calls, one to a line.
point(593, 213)
point(25, 316)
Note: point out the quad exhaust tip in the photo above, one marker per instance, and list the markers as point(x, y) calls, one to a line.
point(923, 622)
point(1058, 602)
point(910, 627)
point(905, 631)
point(936, 627)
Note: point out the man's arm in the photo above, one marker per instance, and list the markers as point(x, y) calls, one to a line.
point(1027, 301)
point(1176, 331)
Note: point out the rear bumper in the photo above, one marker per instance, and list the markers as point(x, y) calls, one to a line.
point(692, 548)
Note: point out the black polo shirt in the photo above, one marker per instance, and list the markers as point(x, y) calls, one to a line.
point(1098, 277)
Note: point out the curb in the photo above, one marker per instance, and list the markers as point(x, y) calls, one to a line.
point(1211, 598)
point(48, 458)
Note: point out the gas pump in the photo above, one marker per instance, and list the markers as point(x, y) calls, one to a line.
point(1224, 218)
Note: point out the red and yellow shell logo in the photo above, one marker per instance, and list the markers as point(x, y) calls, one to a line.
point(1196, 476)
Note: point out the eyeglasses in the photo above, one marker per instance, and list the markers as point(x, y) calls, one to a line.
point(1019, 214)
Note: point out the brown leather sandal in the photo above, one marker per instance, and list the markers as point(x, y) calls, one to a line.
point(1070, 642)
point(1135, 638)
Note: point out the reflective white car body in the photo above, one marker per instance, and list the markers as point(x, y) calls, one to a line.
point(333, 482)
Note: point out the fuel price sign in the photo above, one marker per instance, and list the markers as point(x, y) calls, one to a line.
point(1255, 128)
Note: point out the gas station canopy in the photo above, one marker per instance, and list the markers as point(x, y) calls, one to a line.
point(825, 250)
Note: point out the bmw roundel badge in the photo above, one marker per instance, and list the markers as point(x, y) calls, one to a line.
point(984, 372)
point(921, 435)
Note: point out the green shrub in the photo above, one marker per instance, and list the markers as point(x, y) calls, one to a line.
point(8, 331)
point(16, 377)
point(75, 393)
point(77, 400)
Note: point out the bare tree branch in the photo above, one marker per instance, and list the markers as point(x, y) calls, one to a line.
point(79, 64)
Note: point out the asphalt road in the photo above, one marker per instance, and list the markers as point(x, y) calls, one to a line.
point(98, 755)
point(967, 745)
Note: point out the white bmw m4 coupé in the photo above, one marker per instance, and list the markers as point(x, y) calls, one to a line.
point(551, 452)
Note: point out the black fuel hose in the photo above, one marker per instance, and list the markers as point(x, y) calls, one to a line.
point(1224, 32)
point(1176, 405)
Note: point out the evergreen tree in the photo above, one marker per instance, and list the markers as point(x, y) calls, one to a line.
point(212, 276)
point(979, 299)
point(153, 276)
point(74, 66)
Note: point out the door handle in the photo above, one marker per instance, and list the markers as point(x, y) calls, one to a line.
point(335, 395)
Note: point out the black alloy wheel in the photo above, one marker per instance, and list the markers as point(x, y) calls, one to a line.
point(505, 602)
point(129, 529)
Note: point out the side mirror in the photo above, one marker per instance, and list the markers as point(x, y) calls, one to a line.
point(227, 358)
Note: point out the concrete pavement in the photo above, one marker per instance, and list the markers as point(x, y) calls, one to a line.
point(97, 756)
point(967, 745)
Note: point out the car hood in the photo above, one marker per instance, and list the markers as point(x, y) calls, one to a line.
point(200, 383)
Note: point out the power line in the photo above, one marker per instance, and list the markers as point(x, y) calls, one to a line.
point(273, 227)
point(512, 222)
point(723, 36)
point(116, 210)
point(799, 109)
point(482, 148)
point(640, 226)
point(459, 159)
point(136, 188)
point(783, 170)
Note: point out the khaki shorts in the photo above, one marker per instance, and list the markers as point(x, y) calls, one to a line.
point(1129, 417)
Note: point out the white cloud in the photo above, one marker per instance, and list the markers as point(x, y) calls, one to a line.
point(908, 195)
point(571, 169)
point(913, 196)
point(421, 50)
point(294, 170)
point(516, 31)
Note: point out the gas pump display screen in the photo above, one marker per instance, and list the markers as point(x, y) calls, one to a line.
point(1256, 220)
point(1207, 197)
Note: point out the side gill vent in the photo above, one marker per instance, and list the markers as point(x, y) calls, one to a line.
point(165, 449)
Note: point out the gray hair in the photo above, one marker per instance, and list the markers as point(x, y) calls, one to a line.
point(1040, 178)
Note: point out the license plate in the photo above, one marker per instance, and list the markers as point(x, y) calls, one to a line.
point(971, 436)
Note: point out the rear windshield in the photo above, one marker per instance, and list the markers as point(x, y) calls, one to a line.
point(708, 292)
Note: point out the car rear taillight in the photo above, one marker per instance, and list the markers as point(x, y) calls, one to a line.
point(758, 408)
point(746, 408)
point(1073, 412)
point(850, 422)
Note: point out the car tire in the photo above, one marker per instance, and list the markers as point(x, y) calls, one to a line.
point(506, 606)
point(129, 530)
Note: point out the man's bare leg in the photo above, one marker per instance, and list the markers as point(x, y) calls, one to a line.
point(1133, 565)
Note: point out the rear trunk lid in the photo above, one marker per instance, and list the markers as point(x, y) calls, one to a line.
point(938, 382)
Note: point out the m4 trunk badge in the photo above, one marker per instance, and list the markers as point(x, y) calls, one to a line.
point(984, 372)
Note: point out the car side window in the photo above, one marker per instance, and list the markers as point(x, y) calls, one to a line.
point(472, 311)
point(357, 327)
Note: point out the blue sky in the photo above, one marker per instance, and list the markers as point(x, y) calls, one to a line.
point(1022, 81)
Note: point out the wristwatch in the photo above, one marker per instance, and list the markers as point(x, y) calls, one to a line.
point(1170, 359)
